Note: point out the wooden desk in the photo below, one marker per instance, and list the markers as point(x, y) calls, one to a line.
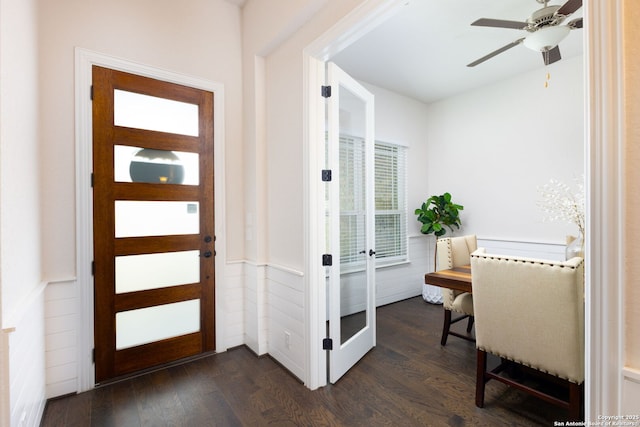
point(458, 278)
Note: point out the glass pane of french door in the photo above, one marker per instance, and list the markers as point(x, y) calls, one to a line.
point(353, 219)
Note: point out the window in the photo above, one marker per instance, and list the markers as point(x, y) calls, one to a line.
point(390, 202)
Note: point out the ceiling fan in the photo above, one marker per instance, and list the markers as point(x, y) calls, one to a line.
point(544, 28)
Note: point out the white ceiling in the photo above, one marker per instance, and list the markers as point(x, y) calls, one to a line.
point(423, 50)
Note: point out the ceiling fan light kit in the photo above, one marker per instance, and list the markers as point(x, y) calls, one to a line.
point(546, 38)
point(544, 27)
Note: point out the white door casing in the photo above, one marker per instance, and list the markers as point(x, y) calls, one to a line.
point(84, 60)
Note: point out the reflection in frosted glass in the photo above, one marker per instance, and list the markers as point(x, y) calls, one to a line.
point(123, 155)
point(138, 111)
point(136, 218)
point(151, 271)
point(145, 325)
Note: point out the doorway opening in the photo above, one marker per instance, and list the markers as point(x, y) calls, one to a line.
point(602, 124)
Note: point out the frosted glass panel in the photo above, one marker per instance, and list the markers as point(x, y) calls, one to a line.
point(140, 218)
point(150, 271)
point(134, 164)
point(145, 325)
point(138, 111)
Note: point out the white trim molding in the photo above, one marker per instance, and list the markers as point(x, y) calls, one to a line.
point(84, 60)
point(605, 203)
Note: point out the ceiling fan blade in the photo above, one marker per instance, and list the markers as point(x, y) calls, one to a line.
point(486, 22)
point(576, 23)
point(551, 56)
point(569, 7)
point(495, 52)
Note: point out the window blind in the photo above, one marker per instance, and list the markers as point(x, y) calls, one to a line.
point(390, 202)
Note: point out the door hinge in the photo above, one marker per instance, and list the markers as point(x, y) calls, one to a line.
point(326, 175)
point(93, 355)
point(93, 268)
point(92, 179)
point(326, 91)
point(327, 260)
point(91, 93)
point(327, 344)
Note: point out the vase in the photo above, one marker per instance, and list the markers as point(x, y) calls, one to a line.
point(575, 248)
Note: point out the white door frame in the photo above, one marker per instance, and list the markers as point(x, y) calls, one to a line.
point(605, 183)
point(84, 60)
point(604, 113)
point(364, 18)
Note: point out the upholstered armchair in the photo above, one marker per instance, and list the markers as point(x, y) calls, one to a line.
point(455, 252)
point(530, 312)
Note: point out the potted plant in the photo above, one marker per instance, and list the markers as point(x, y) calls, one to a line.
point(437, 215)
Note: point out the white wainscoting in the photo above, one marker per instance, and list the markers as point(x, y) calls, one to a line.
point(24, 341)
point(255, 306)
point(403, 281)
point(61, 337)
point(285, 312)
point(551, 251)
point(230, 304)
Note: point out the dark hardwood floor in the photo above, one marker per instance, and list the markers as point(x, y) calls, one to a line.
point(408, 379)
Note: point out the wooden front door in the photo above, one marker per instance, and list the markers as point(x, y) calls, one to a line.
point(153, 222)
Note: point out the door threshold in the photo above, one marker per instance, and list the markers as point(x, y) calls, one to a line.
point(154, 369)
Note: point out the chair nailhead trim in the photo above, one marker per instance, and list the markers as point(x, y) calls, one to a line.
point(525, 261)
point(528, 365)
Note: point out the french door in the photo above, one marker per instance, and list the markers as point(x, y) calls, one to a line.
point(351, 222)
point(153, 222)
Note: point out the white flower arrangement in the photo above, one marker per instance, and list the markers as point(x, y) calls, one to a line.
point(562, 203)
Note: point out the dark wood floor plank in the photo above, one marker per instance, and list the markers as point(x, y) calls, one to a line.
point(126, 413)
point(157, 399)
point(201, 398)
point(407, 380)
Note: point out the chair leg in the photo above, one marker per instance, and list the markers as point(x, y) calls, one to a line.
point(575, 401)
point(445, 327)
point(470, 324)
point(481, 369)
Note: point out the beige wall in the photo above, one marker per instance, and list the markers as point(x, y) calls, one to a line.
point(631, 15)
point(265, 26)
point(509, 147)
point(21, 335)
point(200, 38)
point(284, 136)
point(19, 176)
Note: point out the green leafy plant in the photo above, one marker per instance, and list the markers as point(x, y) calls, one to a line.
point(437, 213)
